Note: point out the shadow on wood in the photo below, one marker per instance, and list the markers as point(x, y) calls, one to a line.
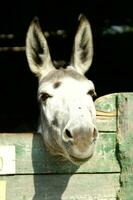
point(53, 184)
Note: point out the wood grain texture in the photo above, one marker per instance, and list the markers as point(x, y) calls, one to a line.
point(106, 103)
point(106, 123)
point(62, 187)
point(125, 144)
point(106, 113)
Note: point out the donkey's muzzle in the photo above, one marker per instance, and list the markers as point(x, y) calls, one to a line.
point(79, 142)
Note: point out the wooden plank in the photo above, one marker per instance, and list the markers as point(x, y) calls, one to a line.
point(106, 103)
point(106, 112)
point(125, 144)
point(31, 156)
point(62, 187)
point(106, 123)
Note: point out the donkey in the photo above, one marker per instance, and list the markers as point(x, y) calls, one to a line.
point(67, 111)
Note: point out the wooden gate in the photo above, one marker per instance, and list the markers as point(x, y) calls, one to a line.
point(28, 172)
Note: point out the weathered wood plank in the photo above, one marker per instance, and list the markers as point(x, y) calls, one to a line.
point(31, 156)
point(106, 103)
point(106, 112)
point(106, 123)
point(125, 144)
point(62, 187)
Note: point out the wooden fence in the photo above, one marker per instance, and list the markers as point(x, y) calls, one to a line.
point(28, 172)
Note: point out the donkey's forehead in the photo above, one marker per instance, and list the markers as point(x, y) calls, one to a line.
point(58, 75)
point(66, 79)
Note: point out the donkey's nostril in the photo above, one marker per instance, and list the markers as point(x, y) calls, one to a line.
point(68, 134)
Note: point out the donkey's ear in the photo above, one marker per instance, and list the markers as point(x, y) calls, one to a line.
point(37, 50)
point(83, 46)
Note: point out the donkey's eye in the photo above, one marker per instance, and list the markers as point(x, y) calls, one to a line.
point(44, 96)
point(92, 93)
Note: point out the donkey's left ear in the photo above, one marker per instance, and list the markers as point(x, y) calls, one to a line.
point(83, 46)
point(37, 50)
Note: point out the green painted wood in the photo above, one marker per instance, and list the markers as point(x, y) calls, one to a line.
point(106, 123)
point(125, 144)
point(106, 113)
point(31, 156)
point(106, 103)
point(62, 187)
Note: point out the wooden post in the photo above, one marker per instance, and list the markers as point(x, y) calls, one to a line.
point(125, 144)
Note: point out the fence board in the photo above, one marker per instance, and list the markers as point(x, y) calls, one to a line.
point(106, 113)
point(31, 155)
point(65, 187)
point(125, 144)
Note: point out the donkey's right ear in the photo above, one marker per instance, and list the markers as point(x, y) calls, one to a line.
point(82, 54)
point(37, 50)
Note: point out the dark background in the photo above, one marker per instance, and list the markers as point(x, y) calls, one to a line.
point(111, 70)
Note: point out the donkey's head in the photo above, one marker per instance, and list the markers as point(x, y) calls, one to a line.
point(68, 114)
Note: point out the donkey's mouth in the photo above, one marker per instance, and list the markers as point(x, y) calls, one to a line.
point(80, 160)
